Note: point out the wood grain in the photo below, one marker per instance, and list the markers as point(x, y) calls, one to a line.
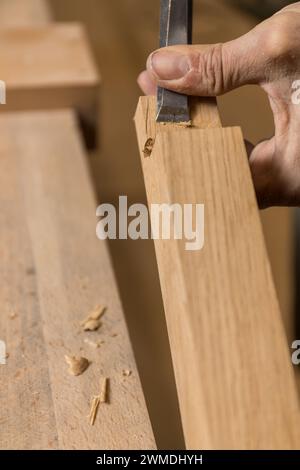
point(54, 271)
point(233, 370)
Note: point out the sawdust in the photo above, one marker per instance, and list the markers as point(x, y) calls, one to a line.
point(103, 397)
point(77, 365)
point(181, 124)
point(93, 320)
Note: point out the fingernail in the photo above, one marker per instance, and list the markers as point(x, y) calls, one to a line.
point(168, 65)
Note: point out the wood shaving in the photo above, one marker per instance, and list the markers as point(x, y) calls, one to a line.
point(77, 364)
point(127, 373)
point(94, 410)
point(98, 400)
point(93, 320)
point(93, 344)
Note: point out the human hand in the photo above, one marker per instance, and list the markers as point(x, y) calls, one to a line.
point(269, 56)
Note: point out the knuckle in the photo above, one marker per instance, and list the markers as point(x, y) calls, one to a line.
point(277, 41)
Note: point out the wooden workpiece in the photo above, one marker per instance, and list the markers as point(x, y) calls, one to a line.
point(54, 271)
point(233, 370)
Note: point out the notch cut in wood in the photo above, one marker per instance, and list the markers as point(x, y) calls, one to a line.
point(204, 115)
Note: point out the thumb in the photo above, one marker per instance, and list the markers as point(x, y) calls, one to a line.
point(209, 70)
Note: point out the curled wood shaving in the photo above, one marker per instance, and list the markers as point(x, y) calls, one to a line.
point(77, 364)
point(93, 320)
point(127, 373)
point(99, 399)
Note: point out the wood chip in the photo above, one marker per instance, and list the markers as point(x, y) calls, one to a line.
point(12, 315)
point(77, 364)
point(104, 391)
point(103, 397)
point(127, 373)
point(94, 410)
point(30, 271)
point(93, 320)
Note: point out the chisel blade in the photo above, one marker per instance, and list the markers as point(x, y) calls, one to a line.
point(175, 28)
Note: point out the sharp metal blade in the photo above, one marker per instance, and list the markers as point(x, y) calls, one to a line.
point(175, 28)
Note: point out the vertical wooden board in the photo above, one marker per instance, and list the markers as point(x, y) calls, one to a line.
point(43, 158)
point(234, 376)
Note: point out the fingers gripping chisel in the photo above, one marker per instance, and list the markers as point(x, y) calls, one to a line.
point(175, 28)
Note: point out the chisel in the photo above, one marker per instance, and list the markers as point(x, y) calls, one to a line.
point(175, 28)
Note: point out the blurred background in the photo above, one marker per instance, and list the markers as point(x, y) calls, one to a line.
point(122, 34)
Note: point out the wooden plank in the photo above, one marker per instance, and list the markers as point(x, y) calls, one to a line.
point(49, 67)
point(234, 376)
point(24, 13)
point(47, 56)
point(54, 271)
